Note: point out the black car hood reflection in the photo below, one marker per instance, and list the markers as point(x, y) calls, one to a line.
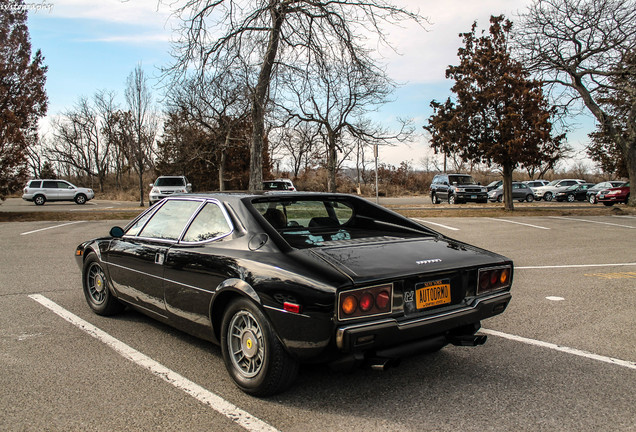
point(403, 257)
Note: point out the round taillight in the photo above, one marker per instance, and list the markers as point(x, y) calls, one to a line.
point(503, 277)
point(382, 299)
point(484, 281)
point(349, 305)
point(494, 277)
point(366, 302)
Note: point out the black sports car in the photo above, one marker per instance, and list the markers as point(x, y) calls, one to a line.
point(282, 278)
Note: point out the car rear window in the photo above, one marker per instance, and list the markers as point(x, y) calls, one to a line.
point(306, 223)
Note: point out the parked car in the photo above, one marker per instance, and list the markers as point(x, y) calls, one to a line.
point(548, 191)
point(536, 183)
point(520, 191)
point(591, 192)
point(493, 185)
point(278, 185)
point(165, 186)
point(614, 195)
point(457, 188)
point(290, 184)
point(282, 278)
point(574, 193)
point(40, 191)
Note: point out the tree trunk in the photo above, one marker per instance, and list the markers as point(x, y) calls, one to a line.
point(259, 101)
point(507, 187)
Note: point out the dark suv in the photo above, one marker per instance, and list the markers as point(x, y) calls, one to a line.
point(457, 188)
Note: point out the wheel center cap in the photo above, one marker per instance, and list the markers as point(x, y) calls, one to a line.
point(99, 283)
point(249, 344)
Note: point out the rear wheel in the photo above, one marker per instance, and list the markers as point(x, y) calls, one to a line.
point(530, 198)
point(452, 200)
point(253, 355)
point(39, 200)
point(500, 198)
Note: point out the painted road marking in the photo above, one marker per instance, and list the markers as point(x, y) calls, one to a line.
point(518, 223)
point(589, 221)
point(573, 351)
point(575, 266)
point(48, 228)
point(436, 224)
point(217, 403)
point(616, 275)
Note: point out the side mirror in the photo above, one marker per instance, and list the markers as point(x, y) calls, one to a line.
point(116, 232)
point(189, 185)
point(446, 183)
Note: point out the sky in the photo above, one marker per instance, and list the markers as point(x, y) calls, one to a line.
point(94, 45)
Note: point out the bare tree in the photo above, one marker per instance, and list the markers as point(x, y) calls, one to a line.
point(584, 49)
point(267, 33)
point(78, 138)
point(336, 97)
point(143, 124)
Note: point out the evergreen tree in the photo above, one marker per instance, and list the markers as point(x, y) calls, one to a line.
point(22, 96)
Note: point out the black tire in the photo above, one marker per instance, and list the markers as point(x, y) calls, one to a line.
point(608, 204)
point(571, 198)
point(529, 198)
point(80, 199)
point(254, 357)
point(39, 199)
point(97, 290)
point(500, 198)
point(451, 199)
point(548, 196)
point(434, 199)
point(592, 199)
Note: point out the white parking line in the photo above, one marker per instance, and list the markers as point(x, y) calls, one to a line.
point(589, 221)
point(48, 228)
point(518, 223)
point(436, 224)
point(217, 403)
point(573, 351)
point(575, 266)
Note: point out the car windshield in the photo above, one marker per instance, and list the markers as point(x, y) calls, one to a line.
point(170, 181)
point(320, 221)
point(464, 179)
point(275, 185)
point(553, 182)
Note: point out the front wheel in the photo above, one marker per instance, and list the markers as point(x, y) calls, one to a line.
point(570, 198)
point(547, 196)
point(530, 198)
point(80, 199)
point(96, 291)
point(500, 198)
point(253, 355)
point(592, 199)
point(435, 199)
point(452, 200)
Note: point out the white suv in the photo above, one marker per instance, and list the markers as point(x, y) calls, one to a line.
point(40, 191)
point(167, 185)
point(548, 191)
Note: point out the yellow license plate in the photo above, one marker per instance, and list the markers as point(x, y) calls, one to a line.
point(433, 295)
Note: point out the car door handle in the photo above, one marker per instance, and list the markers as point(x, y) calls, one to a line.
point(159, 258)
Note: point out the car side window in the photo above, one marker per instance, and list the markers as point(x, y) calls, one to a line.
point(63, 185)
point(209, 224)
point(50, 185)
point(169, 221)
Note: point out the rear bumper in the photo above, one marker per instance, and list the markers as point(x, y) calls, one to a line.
point(357, 338)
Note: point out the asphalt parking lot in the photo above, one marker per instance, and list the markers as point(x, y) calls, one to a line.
point(562, 357)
